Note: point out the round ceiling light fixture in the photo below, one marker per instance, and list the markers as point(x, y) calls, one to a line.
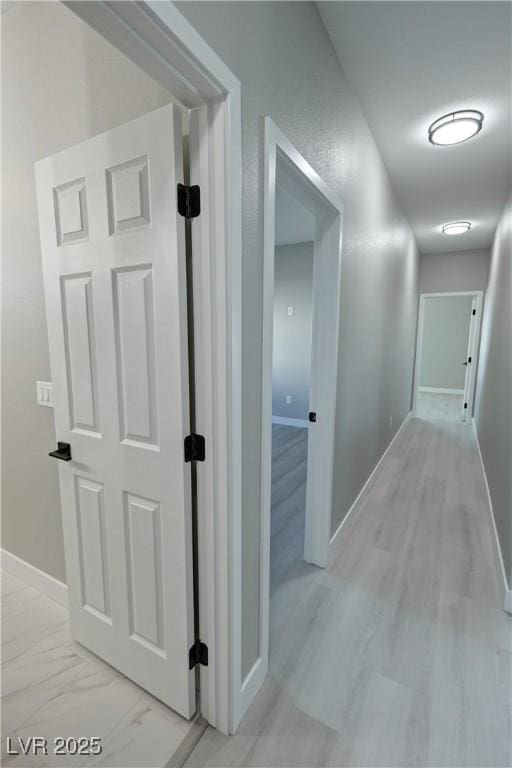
point(455, 127)
point(456, 228)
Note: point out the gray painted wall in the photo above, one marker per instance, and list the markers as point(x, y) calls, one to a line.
point(61, 84)
point(291, 364)
point(288, 69)
point(455, 271)
point(493, 413)
point(445, 342)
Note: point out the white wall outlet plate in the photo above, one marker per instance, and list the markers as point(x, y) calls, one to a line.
point(45, 393)
point(288, 399)
point(290, 311)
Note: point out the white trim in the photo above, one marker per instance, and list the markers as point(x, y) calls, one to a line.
point(287, 421)
point(252, 683)
point(48, 585)
point(507, 602)
point(161, 41)
point(284, 163)
point(441, 390)
point(474, 351)
point(368, 482)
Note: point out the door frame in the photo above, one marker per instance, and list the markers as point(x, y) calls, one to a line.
point(474, 351)
point(158, 39)
point(284, 162)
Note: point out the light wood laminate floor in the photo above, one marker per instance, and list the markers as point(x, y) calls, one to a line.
point(52, 687)
point(399, 653)
point(434, 406)
point(287, 520)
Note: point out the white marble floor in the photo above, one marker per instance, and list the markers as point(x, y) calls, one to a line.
point(53, 687)
point(399, 653)
point(289, 475)
point(439, 407)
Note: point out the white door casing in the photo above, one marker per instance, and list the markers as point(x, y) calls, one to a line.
point(115, 285)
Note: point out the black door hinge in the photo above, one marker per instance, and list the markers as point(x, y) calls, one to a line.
point(198, 654)
point(474, 311)
point(465, 405)
point(189, 201)
point(469, 359)
point(194, 447)
point(312, 416)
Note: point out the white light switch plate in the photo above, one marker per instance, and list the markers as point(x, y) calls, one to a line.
point(288, 399)
point(45, 393)
point(290, 311)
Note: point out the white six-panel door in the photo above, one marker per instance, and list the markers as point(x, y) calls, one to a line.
point(114, 272)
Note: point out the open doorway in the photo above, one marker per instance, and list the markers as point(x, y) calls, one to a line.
point(291, 378)
point(447, 356)
point(301, 296)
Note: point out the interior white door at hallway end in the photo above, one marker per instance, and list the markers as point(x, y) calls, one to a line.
point(115, 284)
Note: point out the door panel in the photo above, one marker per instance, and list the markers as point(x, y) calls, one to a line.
point(114, 271)
point(80, 351)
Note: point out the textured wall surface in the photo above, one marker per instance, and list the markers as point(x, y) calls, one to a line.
point(61, 84)
point(288, 69)
point(445, 342)
point(454, 271)
point(291, 364)
point(493, 413)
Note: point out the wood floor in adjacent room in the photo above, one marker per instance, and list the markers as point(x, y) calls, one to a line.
point(399, 654)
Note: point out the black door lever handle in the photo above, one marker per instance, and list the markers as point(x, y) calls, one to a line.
point(63, 452)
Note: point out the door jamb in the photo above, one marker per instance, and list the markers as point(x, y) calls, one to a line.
point(474, 352)
point(156, 37)
point(279, 151)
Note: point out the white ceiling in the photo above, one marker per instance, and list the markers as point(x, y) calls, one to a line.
point(411, 62)
point(294, 223)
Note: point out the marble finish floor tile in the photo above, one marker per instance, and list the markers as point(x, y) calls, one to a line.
point(52, 686)
point(397, 654)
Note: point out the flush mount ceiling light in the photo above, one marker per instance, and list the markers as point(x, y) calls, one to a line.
point(456, 228)
point(455, 127)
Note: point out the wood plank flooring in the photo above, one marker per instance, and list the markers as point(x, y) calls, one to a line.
point(435, 406)
point(287, 522)
point(399, 653)
point(52, 686)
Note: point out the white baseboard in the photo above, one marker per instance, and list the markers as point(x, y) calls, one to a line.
point(288, 422)
point(441, 390)
point(250, 687)
point(507, 603)
point(369, 480)
point(32, 576)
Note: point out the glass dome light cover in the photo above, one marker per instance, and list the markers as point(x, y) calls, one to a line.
point(456, 127)
point(456, 228)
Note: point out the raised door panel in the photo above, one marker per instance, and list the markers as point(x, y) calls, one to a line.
point(143, 537)
point(128, 195)
point(92, 543)
point(135, 347)
point(71, 216)
point(80, 351)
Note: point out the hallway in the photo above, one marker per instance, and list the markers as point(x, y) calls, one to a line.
point(399, 654)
